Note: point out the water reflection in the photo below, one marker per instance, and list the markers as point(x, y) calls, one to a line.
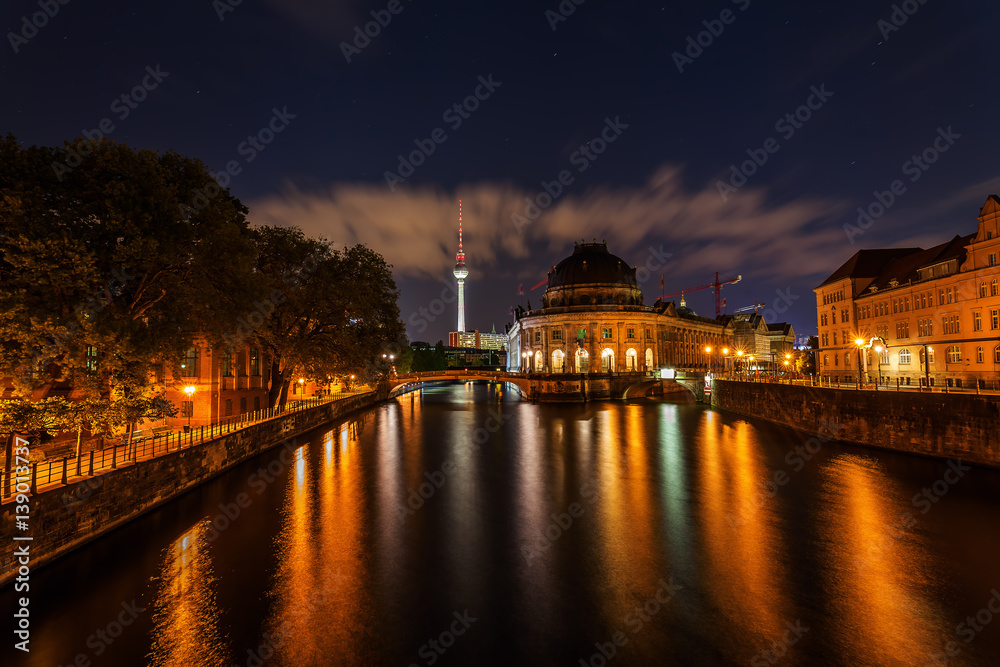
point(186, 618)
point(322, 577)
point(742, 538)
point(876, 574)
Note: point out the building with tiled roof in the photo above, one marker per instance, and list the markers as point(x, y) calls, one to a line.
point(934, 313)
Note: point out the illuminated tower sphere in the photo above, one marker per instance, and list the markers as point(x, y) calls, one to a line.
point(460, 272)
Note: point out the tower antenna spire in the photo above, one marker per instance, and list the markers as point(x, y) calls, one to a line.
point(460, 272)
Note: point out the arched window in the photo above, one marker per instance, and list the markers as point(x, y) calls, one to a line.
point(582, 361)
point(847, 359)
point(826, 359)
point(631, 359)
point(558, 361)
point(982, 290)
point(993, 287)
point(539, 360)
point(607, 359)
point(996, 354)
point(980, 357)
point(189, 367)
point(649, 358)
point(904, 357)
point(954, 355)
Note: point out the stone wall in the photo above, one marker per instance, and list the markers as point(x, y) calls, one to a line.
point(934, 424)
point(60, 522)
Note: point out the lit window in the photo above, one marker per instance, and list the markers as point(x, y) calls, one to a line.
point(982, 290)
point(904, 357)
point(977, 322)
point(189, 368)
point(994, 319)
point(993, 287)
point(954, 355)
point(979, 355)
point(605, 332)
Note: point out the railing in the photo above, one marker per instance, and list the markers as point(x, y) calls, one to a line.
point(869, 384)
point(99, 461)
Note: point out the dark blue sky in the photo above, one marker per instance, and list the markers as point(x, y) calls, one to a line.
point(655, 186)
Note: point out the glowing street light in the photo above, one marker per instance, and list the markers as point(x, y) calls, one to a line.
point(189, 390)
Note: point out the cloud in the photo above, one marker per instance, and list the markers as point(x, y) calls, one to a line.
point(416, 228)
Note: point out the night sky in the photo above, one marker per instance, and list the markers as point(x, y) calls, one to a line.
point(886, 93)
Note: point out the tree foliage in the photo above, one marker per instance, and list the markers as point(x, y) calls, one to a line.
point(102, 257)
point(331, 311)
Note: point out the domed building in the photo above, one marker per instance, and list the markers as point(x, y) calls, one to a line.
point(593, 319)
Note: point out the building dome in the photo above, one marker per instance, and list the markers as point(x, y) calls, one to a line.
point(591, 263)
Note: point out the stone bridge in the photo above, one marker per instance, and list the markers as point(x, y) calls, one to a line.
point(561, 387)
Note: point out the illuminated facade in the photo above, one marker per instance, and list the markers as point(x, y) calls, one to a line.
point(593, 319)
point(937, 311)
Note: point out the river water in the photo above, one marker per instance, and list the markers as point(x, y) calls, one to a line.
point(461, 526)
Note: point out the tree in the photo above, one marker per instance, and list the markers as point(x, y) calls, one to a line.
point(29, 418)
point(106, 265)
point(132, 406)
point(331, 311)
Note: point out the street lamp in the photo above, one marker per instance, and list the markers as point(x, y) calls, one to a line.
point(708, 351)
point(739, 356)
point(860, 342)
point(927, 366)
point(189, 390)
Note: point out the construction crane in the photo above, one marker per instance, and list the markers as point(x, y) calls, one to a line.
point(716, 286)
point(755, 307)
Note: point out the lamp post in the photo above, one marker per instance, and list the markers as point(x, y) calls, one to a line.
point(927, 366)
point(725, 357)
point(189, 390)
point(860, 342)
point(739, 357)
point(708, 351)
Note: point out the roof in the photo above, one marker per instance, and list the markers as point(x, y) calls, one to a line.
point(591, 263)
point(879, 267)
point(867, 263)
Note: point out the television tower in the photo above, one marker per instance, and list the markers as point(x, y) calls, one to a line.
point(460, 272)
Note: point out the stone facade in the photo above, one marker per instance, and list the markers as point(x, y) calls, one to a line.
point(593, 320)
